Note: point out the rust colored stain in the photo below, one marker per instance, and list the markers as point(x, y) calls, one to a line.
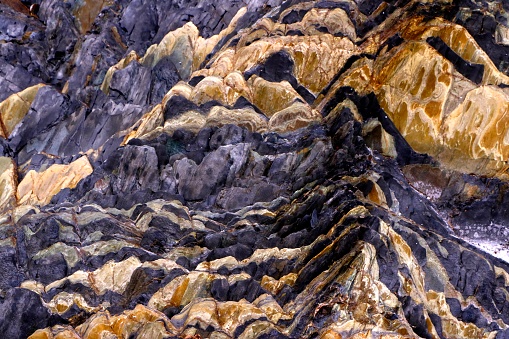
point(16, 5)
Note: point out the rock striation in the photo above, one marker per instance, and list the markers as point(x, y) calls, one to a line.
point(254, 169)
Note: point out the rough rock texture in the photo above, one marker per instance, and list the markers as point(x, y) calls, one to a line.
point(254, 169)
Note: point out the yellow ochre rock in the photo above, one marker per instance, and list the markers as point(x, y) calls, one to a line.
point(478, 126)
point(272, 97)
point(38, 188)
point(15, 107)
point(317, 58)
point(140, 322)
point(8, 184)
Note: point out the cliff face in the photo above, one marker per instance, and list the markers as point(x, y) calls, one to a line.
point(254, 169)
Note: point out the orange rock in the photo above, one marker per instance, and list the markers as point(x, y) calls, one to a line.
point(330, 334)
point(88, 11)
point(412, 87)
point(42, 334)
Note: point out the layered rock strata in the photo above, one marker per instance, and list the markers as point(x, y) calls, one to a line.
point(253, 169)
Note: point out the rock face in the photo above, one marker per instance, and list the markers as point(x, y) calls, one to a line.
point(254, 169)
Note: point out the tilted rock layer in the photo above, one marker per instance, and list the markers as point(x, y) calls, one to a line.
point(253, 169)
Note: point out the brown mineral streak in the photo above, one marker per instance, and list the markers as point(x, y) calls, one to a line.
point(88, 11)
point(16, 5)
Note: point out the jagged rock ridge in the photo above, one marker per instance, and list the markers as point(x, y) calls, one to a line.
point(251, 169)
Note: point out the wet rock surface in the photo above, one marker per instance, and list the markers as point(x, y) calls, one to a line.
point(253, 169)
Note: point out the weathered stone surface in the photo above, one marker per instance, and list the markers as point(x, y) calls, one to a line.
point(259, 169)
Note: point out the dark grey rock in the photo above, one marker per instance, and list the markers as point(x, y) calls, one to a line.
point(164, 76)
point(48, 108)
point(219, 289)
point(11, 276)
point(197, 182)
point(25, 312)
point(14, 79)
point(61, 33)
point(137, 169)
point(121, 86)
point(12, 24)
point(49, 268)
point(86, 128)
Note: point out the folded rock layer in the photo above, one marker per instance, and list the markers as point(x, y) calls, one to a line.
point(254, 169)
